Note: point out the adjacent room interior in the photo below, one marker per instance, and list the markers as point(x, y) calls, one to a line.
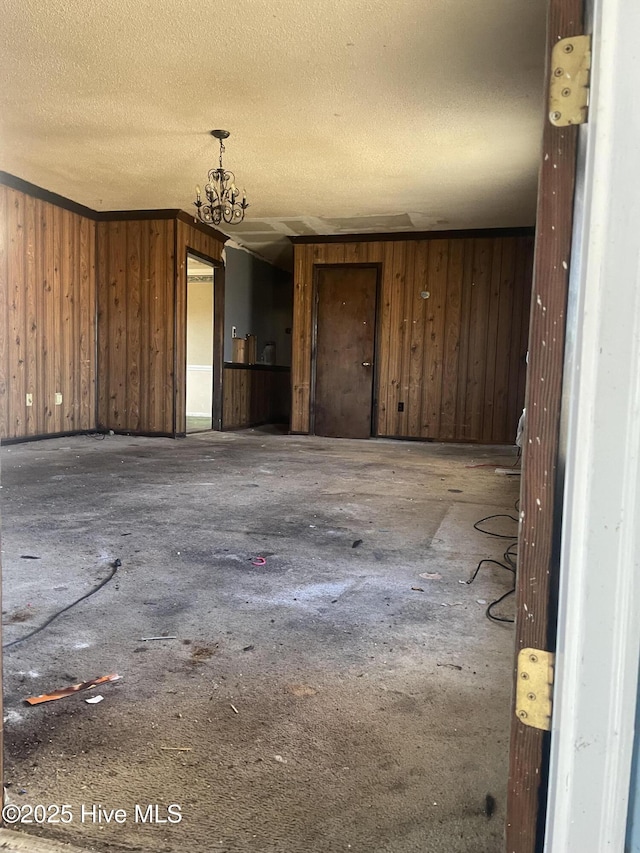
point(265, 471)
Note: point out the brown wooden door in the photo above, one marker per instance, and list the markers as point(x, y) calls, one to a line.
point(345, 347)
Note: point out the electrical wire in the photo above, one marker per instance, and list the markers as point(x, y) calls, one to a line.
point(491, 616)
point(491, 533)
point(114, 568)
point(510, 558)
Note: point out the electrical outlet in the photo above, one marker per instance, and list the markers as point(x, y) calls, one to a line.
point(58, 398)
point(401, 407)
point(29, 399)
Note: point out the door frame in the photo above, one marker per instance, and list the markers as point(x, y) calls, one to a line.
point(218, 336)
point(314, 340)
point(596, 684)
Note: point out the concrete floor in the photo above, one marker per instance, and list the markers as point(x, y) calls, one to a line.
point(371, 716)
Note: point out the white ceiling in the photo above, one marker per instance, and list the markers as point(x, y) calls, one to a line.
point(346, 116)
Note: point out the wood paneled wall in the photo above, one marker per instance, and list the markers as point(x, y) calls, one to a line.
point(47, 317)
point(207, 245)
point(135, 291)
point(141, 286)
point(255, 395)
point(64, 266)
point(457, 359)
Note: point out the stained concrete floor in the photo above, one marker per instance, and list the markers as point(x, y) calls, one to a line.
point(314, 703)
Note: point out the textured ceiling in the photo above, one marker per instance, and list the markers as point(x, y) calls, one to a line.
point(345, 115)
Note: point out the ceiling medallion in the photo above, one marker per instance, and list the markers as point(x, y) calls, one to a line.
point(223, 202)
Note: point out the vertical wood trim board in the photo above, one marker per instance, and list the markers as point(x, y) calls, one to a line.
point(541, 490)
point(47, 331)
point(456, 360)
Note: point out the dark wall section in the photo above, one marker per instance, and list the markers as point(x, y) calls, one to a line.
point(258, 301)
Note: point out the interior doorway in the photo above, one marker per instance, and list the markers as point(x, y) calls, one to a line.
point(345, 335)
point(200, 344)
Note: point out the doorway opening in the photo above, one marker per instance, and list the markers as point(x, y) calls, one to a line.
point(200, 344)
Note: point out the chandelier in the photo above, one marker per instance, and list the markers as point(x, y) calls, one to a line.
point(223, 202)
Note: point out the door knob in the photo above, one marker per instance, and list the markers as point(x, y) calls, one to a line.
point(366, 364)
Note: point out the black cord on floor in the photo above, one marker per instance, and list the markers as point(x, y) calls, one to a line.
point(114, 568)
point(489, 532)
point(510, 557)
point(497, 601)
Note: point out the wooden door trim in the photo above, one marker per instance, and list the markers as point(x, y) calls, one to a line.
point(542, 472)
point(219, 274)
point(218, 332)
point(314, 341)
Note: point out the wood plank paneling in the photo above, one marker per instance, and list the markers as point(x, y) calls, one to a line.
point(415, 368)
point(491, 346)
point(142, 321)
point(406, 331)
point(16, 316)
point(135, 328)
point(253, 396)
point(5, 386)
point(434, 338)
point(451, 340)
point(47, 283)
point(301, 338)
point(454, 359)
point(86, 319)
point(505, 345)
point(476, 374)
point(30, 316)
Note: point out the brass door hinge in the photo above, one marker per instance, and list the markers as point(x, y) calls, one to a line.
point(534, 688)
point(569, 84)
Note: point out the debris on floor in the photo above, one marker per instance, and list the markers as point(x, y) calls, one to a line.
point(201, 653)
point(94, 700)
point(233, 708)
point(357, 543)
point(450, 665)
point(29, 557)
point(168, 637)
point(417, 589)
point(20, 616)
point(176, 748)
point(258, 561)
point(280, 759)
point(248, 648)
point(69, 691)
point(431, 576)
point(301, 690)
point(489, 806)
